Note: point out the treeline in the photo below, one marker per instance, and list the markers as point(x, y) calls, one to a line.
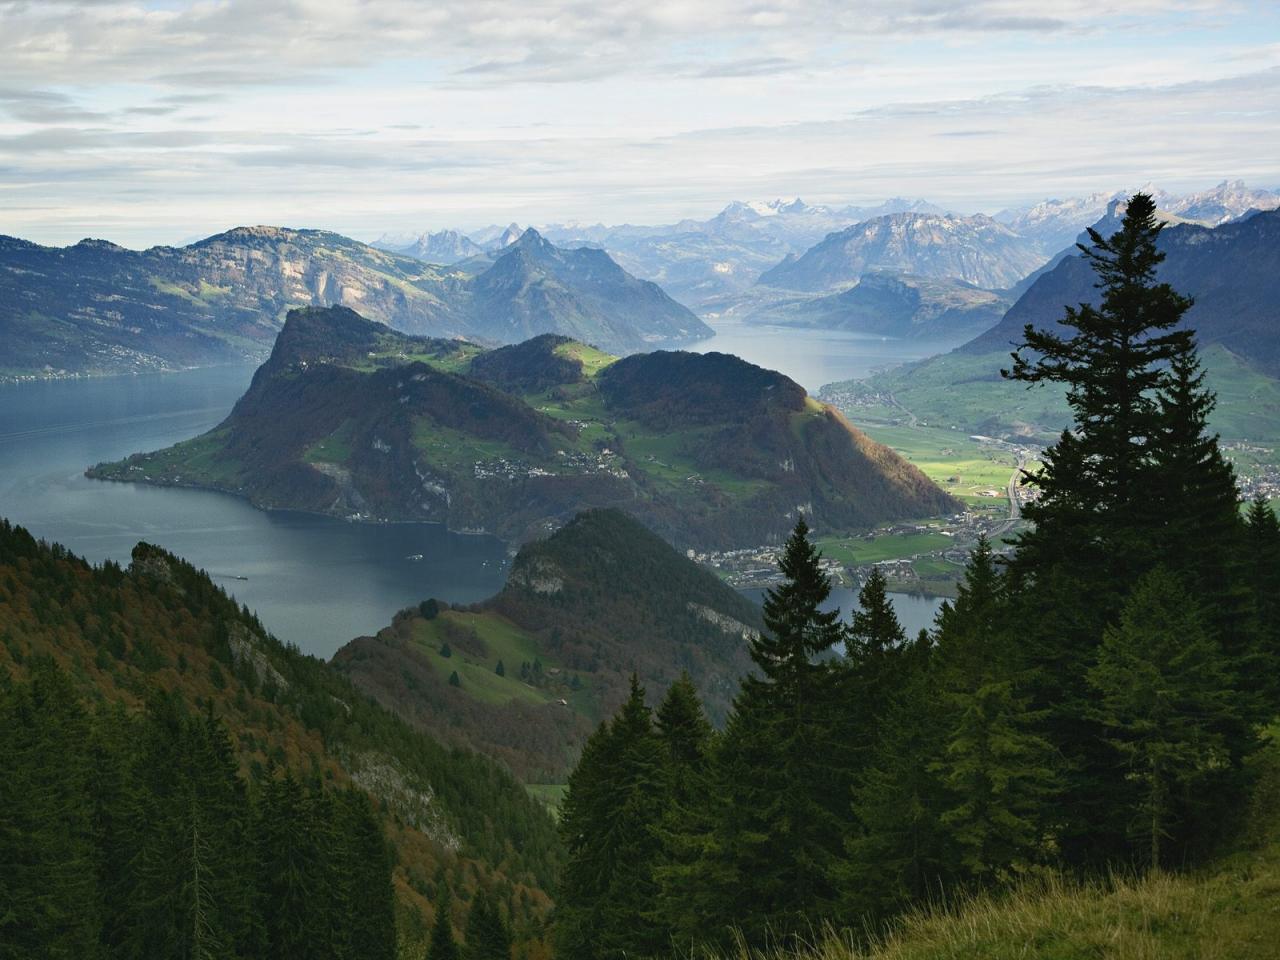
point(133, 836)
point(1090, 702)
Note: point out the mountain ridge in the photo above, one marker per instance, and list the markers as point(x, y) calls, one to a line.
point(95, 307)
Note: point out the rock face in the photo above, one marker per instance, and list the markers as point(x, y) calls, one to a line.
point(99, 308)
point(350, 418)
point(975, 250)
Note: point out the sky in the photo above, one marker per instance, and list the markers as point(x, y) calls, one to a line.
point(161, 122)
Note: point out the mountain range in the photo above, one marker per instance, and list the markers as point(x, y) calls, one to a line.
point(350, 418)
point(975, 250)
point(1233, 273)
point(888, 304)
point(540, 664)
point(1055, 224)
point(98, 308)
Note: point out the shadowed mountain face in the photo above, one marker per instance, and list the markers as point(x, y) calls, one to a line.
point(99, 308)
point(599, 599)
point(975, 250)
point(350, 418)
point(1232, 272)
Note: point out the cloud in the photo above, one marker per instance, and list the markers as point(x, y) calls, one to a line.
point(148, 121)
point(750, 67)
point(201, 43)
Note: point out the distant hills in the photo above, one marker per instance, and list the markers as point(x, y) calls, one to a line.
point(975, 250)
point(543, 662)
point(894, 305)
point(444, 247)
point(99, 308)
point(350, 418)
point(1232, 271)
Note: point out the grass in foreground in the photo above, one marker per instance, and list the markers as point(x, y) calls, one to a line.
point(1227, 911)
point(1232, 915)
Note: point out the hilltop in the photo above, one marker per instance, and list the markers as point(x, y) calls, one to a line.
point(161, 624)
point(599, 599)
point(711, 452)
point(98, 308)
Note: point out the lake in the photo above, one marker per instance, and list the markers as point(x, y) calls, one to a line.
point(813, 358)
point(315, 581)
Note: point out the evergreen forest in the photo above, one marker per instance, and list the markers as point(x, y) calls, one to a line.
point(1089, 702)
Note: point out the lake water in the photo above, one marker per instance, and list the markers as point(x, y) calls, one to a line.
point(315, 581)
point(813, 358)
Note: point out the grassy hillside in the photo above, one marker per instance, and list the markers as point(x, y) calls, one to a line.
point(349, 418)
point(455, 819)
point(601, 598)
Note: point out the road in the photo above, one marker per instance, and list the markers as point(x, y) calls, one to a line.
point(1015, 506)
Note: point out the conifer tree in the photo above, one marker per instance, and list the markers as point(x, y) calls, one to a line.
point(609, 823)
point(687, 739)
point(994, 766)
point(784, 793)
point(442, 945)
point(1165, 693)
point(50, 905)
point(895, 853)
point(1261, 566)
point(365, 874)
point(874, 645)
point(487, 937)
point(1093, 535)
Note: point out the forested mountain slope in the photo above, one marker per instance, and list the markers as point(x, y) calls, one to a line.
point(455, 819)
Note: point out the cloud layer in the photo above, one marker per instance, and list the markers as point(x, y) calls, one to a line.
point(150, 122)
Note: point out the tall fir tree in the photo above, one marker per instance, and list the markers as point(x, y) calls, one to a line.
point(772, 858)
point(1165, 692)
point(610, 825)
point(995, 768)
point(1092, 534)
point(688, 739)
point(874, 649)
point(1261, 571)
point(487, 936)
point(50, 904)
point(895, 854)
point(443, 945)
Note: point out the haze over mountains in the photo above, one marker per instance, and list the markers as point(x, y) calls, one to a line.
point(701, 262)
